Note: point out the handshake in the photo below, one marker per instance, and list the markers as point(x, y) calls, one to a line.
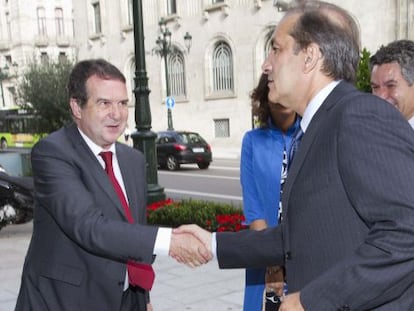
point(191, 245)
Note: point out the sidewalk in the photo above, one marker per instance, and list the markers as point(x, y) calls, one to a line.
point(226, 153)
point(177, 287)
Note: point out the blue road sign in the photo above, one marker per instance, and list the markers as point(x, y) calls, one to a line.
point(170, 102)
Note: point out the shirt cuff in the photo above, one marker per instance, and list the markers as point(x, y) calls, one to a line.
point(214, 245)
point(162, 242)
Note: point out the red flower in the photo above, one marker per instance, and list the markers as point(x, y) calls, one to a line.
point(156, 205)
point(233, 222)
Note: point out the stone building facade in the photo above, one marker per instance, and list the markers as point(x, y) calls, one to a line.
point(211, 82)
point(36, 30)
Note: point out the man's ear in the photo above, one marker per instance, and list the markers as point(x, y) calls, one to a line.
point(311, 57)
point(75, 108)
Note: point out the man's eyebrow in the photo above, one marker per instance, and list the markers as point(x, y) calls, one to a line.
point(390, 81)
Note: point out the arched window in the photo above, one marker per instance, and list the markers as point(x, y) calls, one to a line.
point(41, 21)
point(171, 7)
point(176, 74)
point(60, 29)
point(222, 69)
point(268, 44)
point(8, 23)
point(130, 76)
point(97, 22)
point(130, 15)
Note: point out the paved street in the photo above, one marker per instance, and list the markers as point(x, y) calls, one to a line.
point(176, 288)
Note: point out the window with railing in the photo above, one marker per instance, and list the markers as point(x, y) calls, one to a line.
point(221, 127)
point(176, 74)
point(44, 58)
point(62, 57)
point(222, 68)
point(9, 60)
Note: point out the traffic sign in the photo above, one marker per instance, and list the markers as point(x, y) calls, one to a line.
point(170, 102)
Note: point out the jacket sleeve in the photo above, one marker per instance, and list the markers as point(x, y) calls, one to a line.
point(250, 249)
point(252, 208)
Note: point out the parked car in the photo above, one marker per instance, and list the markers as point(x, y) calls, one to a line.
point(182, 147)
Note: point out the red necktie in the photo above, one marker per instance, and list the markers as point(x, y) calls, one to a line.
point(141, 275)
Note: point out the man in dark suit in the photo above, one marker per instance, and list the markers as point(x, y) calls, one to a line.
point(85, 231)
point(347, 234)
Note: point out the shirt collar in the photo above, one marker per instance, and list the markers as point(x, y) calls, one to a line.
point(315, 103)
point(411, 121)
point(94, 147)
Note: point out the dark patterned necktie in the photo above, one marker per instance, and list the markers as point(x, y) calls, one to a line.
point(297, 136)
point(283, 176)
point(141, 275)
point(287, 160)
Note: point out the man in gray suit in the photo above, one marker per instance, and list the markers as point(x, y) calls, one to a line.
point(392, 76)
point(89, 213)
point(347, 234)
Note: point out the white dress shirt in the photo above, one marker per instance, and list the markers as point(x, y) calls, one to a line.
point(163, 239)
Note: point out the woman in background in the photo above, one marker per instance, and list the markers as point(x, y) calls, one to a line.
point(263, 169)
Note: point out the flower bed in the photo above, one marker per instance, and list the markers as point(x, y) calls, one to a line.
point(211, 216)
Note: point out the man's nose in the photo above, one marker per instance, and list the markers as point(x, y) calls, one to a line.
point(381, 92)
point(115, 111)
point(266, 66)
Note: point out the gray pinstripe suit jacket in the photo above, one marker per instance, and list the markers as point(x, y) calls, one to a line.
point(347, 238)
point(81, 239)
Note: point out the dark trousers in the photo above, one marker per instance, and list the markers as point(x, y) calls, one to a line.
point(133, 299)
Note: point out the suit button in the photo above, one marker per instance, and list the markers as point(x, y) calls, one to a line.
point(288, 256)
point(344, 308)
point(121, 283)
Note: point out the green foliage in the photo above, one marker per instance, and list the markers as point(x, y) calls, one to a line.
point(42, 92)
point(211, 216)
point(363, 80)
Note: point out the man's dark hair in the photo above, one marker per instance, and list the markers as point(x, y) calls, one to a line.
point(336, 33)
point(85, 69)
point(400, 52)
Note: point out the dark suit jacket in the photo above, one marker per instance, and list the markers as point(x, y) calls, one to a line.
point(81, 239)
point(347, 238)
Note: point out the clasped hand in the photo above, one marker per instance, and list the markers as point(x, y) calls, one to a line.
point(191, 245)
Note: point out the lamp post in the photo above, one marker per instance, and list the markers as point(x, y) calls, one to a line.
point(144, 138)
point(3, 76)
point(164, 49)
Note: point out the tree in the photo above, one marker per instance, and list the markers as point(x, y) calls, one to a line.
point(363, 79)
point(42, 91)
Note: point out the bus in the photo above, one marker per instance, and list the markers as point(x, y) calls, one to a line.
point(17, 128)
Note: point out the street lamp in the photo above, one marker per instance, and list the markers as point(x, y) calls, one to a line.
point(164, 49)
point(3, 76)
point(144, 138)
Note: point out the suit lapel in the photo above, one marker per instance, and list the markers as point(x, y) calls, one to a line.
point(300, 155)
point(128, 181)
point(340, 93)
point(95, 168)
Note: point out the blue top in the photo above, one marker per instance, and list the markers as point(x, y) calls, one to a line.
point(260, 170)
